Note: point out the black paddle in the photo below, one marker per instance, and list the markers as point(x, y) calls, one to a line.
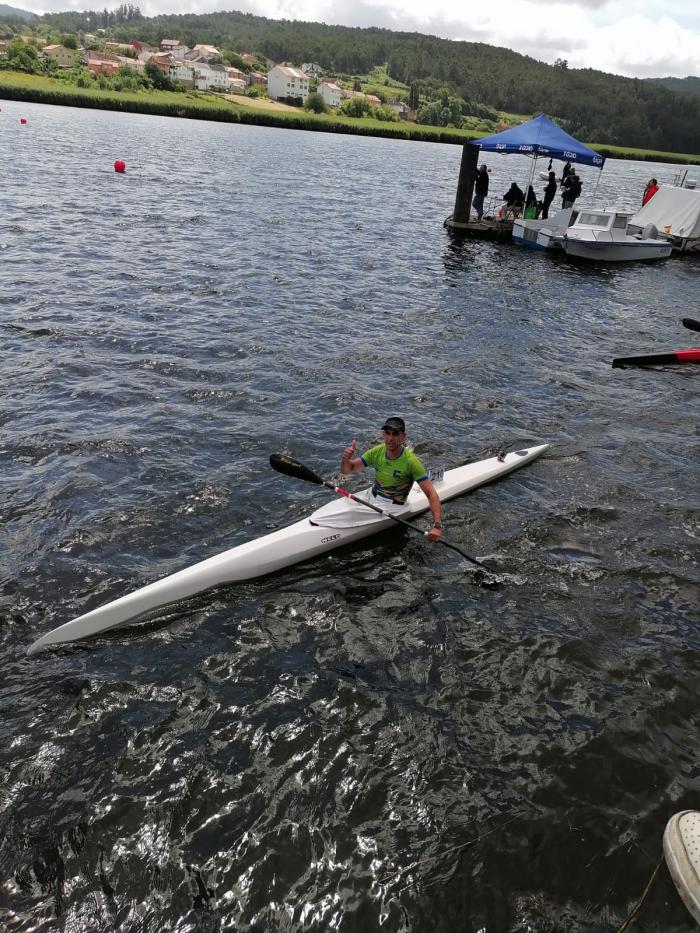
point(691, 324)
point(291, 467)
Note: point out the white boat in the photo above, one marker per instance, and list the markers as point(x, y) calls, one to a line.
point(543, 234)
point(675, 212)
point(337, 523)
point(603, 236)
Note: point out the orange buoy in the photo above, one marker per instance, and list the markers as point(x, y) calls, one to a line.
point(120, 166)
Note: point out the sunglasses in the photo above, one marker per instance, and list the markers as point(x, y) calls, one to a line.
point(392, 431)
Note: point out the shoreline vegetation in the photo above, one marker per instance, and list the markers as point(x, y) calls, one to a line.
point(196, 105)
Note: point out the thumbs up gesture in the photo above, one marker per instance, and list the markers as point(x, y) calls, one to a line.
point(346, 464)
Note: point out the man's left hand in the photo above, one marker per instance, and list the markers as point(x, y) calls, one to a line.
point(434, 535)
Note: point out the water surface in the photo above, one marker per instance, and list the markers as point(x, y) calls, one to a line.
point(370, 740)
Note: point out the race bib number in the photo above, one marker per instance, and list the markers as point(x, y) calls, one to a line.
point(436, 473)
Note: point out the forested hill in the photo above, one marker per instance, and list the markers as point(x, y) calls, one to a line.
point(690, 85)
point(12, 12)
point(592, 105)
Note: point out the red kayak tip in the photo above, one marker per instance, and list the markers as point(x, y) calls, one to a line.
point(659, 359)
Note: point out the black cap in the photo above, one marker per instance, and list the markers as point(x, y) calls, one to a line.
point(396, 424)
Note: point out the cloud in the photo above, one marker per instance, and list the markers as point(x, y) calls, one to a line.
point(597, 34)
point(609, 35)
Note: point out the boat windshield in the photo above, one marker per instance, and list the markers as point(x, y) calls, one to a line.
point(589, 219)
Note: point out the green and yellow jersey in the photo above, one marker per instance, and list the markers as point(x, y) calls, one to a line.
point(394, 478)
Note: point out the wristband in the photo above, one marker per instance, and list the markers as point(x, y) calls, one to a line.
point(437, 525)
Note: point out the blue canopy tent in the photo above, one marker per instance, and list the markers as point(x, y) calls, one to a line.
point(540, 137)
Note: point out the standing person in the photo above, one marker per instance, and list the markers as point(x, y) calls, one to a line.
point(571, 189)
point(567, 170)
point(396, 469)
point(650, 190)
point(549, 192)
point(481, 189)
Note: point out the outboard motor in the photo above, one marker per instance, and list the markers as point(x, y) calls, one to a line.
point(650, 232)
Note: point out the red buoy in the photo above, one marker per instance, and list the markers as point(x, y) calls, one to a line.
point(120, 166)
point(22, 119)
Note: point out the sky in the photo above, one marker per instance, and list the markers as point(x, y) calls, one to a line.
point(636, 38)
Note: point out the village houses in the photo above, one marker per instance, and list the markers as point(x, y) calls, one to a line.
point(200, 68)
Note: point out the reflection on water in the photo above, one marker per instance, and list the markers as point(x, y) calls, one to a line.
point(369, 739)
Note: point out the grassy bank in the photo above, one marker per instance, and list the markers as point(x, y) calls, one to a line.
point(199, 106)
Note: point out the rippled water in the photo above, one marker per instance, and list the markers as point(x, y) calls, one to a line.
point(370, 740)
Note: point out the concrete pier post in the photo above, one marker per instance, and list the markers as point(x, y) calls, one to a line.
point(465, 185)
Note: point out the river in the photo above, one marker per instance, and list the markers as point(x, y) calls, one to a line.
point(372, 739)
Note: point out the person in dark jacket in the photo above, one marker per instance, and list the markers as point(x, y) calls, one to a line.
point(514, 199)
point(549, 192)
point(570, 189)
point(481, 189)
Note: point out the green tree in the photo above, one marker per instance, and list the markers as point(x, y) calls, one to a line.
point(20, 56)
point(158, 79)
point(315, 102)
point(386, 114)
point(413, 97)
point(356, 107)
point(70, 41)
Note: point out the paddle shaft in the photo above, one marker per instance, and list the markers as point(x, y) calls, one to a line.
point(401, 521)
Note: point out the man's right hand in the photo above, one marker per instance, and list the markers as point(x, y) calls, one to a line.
point(349, 452)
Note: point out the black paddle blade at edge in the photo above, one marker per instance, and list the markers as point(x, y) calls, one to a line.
point(691, 324)
point(291, 467)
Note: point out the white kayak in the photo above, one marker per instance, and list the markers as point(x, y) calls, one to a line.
point(337, 523)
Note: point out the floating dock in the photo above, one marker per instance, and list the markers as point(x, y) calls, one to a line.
point(484, 229)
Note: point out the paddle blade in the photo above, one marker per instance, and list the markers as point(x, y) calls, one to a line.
point(691, 324)
point(291, 467)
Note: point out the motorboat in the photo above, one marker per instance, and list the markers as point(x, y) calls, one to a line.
point(675, 212)
point(603, 236)
point(544, 234)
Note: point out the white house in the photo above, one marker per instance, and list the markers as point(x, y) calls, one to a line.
point(237, 85)
point(210, 76)
point(403, 110)
point(183, 71)
point(285, 81)
point(332, 95)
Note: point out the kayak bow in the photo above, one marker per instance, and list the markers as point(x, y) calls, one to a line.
point(331, 526)
point(659, 359)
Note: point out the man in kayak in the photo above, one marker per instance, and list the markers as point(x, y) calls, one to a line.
point(396, 469)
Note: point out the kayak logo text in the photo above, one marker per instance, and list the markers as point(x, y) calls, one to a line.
point(331, 538)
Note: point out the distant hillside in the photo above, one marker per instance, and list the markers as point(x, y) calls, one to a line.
point(12, 12)
point(599, 107)
point(689, 85)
